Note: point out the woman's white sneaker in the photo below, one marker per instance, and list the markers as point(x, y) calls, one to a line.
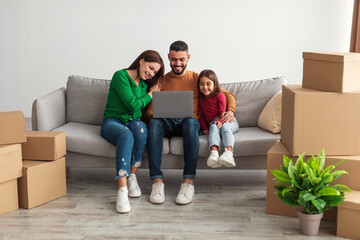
point(212, 160)
point(122, 201)
point(227, 159)
point(157, 193)
point(134, 189)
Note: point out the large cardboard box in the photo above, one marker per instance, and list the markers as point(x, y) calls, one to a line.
point(41, 182)
point(43, 145)
point(12, 127)
point(10, 162)
point(348, 220)
point(312, 120)
point(8, 196)
point(331, 71)
point(275, 159)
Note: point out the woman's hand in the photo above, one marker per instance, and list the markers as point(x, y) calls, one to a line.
point(205, 132)
point(218, 124)
point(154, 88)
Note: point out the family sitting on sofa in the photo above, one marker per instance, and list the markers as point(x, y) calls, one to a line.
point(130, 94)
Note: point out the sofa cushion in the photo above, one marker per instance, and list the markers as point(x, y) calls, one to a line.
point(86, 99)
point(251, 97)
point(249, 141)
point(86, 139)
point(270, 117)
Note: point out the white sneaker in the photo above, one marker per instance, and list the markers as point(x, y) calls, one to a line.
point(122, 201)
point(134, 189)
point(227, 159)
point(185, 194)
point(212, 160)
point(157, 193)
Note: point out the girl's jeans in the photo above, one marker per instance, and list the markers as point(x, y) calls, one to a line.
point(226, 133)
point(130, 141)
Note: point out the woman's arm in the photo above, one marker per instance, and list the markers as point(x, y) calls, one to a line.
point(122, 87)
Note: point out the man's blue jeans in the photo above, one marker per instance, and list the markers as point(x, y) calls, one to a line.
point(188, 128)
point(130, 141)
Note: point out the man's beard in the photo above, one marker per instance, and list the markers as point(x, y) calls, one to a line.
point(178, 73)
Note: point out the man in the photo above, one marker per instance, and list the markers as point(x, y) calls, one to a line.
point(178, 79)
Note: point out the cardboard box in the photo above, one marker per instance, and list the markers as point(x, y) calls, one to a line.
point(275, 160)
point(41, 182)
point(331, 71)
point(43, 145)
point(349, 216)
point(8, 196)
point(10, 162)
point(12, 127)
point(312, 120)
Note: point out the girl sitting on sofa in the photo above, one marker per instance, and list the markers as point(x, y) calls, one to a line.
point(130, 91)
point(212, 106)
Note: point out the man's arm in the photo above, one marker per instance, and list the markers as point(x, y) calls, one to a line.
point(228, 116)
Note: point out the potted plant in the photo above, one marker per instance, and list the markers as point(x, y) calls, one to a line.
point(307, 184)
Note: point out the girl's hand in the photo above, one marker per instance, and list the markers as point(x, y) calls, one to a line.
point(205, 132)
point(218, 124)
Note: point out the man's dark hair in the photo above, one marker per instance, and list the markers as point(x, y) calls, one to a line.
point(179, 46)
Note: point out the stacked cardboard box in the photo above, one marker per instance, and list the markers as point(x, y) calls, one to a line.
point(44, 177)
point(12, 133)
point(322, 113)
point(32, 164)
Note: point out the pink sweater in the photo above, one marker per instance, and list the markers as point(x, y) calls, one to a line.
point(211, 108)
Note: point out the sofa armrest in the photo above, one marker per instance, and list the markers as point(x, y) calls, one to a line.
point(49, 111)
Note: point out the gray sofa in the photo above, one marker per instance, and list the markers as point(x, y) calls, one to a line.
point(78, 110)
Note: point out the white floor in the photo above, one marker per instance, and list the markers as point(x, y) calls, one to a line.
point(228, 205)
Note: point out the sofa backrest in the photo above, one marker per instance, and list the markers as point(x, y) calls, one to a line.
point(251, 98)
point(86, 98)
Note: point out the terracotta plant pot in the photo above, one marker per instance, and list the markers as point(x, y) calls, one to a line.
point(309, 223)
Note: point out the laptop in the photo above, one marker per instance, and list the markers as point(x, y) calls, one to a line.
point(173, 104)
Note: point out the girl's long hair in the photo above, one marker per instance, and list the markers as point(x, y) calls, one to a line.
point(210, 74)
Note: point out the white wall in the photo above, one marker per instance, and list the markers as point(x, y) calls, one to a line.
point(42, 42)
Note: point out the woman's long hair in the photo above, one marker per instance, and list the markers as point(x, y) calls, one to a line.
point(210, 74)
point(150, 56)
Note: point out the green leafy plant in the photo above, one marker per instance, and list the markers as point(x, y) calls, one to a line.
point(307, 184)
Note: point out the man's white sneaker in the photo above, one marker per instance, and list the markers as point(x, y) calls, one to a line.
point(185, 194)
point(157, 193)
point(134, 189)
point(122, 201)
point(227, 159)
point(212, 160)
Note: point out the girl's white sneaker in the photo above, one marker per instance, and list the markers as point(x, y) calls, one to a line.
point(212, 160)
point(227, 159)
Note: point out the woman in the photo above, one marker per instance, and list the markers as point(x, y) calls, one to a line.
point(130, 91)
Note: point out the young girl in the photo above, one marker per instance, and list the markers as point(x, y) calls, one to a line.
point(212, 106)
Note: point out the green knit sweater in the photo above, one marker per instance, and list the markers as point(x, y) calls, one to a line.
point(126, 99)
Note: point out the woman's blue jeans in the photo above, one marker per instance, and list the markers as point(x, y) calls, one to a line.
point(188, 128)
point(130, 141)
point(226, 133)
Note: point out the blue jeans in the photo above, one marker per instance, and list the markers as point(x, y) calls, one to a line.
point(130, 141)
point(188, 128)
point(226, 133)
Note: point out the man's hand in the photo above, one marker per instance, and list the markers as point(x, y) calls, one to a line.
point(227, 117)
point(205, 132)
point(218, 124)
